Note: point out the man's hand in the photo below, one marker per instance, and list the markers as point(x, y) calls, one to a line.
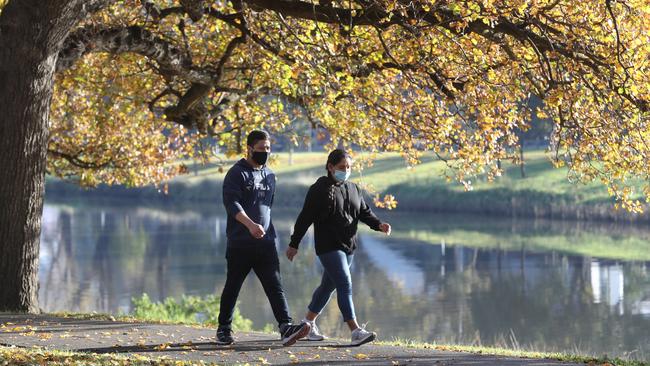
point(291, 252)
point(385, 228)
point(256, 230)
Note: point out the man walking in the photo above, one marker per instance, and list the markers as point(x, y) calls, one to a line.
point(248, 191)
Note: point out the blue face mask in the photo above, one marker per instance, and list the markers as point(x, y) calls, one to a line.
point(341, 176)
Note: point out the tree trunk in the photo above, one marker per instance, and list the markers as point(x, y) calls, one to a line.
point(31, 32)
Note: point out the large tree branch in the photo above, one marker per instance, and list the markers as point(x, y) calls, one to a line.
point(92, 6)
point(193, 8)
point(171, 60)
point(190, 110)
point(317, 12)
point(371, 14)
point(120, 40)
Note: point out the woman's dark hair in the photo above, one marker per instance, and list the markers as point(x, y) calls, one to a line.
point(255, 136)
point(335, 157)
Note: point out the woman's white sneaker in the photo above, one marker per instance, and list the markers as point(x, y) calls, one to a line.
point(314, 333)
point(362, 336)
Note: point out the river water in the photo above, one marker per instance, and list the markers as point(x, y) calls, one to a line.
point(541, 285)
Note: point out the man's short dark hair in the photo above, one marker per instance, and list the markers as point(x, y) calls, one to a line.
point(255, 136)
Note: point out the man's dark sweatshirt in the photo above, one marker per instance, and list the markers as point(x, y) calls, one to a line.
point(250, 190)
point(335, 209)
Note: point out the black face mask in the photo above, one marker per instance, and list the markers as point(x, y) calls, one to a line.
point(260, 157)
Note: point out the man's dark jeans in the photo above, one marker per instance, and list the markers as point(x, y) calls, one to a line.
point(262, 258)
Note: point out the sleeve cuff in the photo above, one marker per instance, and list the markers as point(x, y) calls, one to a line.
point(235, 208)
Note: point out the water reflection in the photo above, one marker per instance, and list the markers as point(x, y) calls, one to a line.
point(529, 284)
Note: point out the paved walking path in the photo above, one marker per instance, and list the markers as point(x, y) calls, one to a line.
point(196, 343)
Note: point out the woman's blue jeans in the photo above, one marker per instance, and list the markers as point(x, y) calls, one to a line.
point(335, 277)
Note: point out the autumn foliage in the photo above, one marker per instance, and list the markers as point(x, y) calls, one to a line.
point(141, 84)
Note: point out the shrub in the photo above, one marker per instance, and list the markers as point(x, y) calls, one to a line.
point(188, 310)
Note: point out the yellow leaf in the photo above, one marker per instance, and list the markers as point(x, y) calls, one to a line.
point(161, 347)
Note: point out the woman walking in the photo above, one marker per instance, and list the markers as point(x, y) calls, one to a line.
point(335, 206)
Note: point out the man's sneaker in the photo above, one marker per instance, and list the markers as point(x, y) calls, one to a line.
point(362, 336)
point(291, 333)
point(224, 336)
point(314, 333)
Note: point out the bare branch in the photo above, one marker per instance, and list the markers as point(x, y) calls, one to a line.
point(77, 161)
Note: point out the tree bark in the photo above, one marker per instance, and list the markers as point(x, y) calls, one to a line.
point(31, 33)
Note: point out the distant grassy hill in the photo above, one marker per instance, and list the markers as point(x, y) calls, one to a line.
point(544, 192)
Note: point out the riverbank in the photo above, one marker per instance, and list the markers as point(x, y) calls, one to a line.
point(544, 192)
point(77, 340)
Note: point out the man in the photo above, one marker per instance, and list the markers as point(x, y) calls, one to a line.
point(248, 191)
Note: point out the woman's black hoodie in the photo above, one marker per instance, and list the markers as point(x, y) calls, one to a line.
point(335, 209)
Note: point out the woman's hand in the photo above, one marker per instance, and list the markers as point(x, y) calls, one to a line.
point(385, 228)
point(291, 252)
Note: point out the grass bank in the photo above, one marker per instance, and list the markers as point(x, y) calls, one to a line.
point(544, 192)
point(505, 352)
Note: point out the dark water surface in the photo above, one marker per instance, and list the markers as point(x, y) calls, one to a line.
point(549, 286)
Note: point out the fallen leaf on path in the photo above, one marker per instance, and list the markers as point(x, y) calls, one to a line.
point(361, 356)
point(45, 336)
point(18, 329)
point(161, 347)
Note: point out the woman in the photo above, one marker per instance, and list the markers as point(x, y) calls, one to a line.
point(335, 206)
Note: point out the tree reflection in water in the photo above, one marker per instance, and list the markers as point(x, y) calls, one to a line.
point(447, 279)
